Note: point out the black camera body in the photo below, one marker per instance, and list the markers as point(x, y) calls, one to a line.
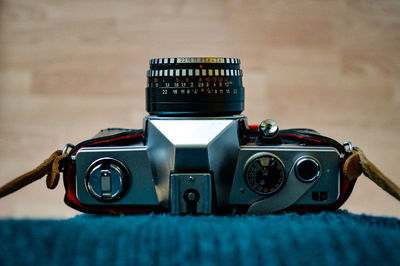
point(197, 155)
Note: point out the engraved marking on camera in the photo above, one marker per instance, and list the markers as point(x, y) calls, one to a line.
point(264, 174)
point(200, 60)
point(186, 60)
point(203, 86)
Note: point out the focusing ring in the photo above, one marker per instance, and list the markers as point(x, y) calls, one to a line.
point(197, 86)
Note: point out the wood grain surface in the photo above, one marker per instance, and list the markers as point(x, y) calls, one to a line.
point(70, 68)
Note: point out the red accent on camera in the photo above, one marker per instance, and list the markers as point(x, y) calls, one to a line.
point(253, 127)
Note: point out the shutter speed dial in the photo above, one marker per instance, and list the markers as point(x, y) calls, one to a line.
point(107, 179)
point(264, 174)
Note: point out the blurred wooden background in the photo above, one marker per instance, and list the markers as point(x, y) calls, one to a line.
point(70, 68)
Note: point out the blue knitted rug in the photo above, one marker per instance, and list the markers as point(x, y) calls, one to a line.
point(326, 238)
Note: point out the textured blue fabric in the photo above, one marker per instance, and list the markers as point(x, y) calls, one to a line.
point(286, 239)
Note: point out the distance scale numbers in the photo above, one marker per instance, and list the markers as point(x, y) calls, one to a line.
point(189, 86)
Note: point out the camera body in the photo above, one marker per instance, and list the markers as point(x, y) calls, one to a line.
point(197, 162)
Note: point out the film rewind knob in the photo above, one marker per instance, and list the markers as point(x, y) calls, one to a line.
point(106, 179)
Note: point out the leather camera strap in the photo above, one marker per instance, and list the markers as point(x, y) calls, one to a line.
point(49, 167)
point(355, 165)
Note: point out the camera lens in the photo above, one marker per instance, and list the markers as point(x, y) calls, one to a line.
point(195, 86)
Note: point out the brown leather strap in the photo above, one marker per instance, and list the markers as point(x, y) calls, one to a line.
point(357, 163)
point(49, 167)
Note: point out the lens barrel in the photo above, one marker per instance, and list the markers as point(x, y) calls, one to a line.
point(194, 86)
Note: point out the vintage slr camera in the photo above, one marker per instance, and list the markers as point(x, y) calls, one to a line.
point(197, 155)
